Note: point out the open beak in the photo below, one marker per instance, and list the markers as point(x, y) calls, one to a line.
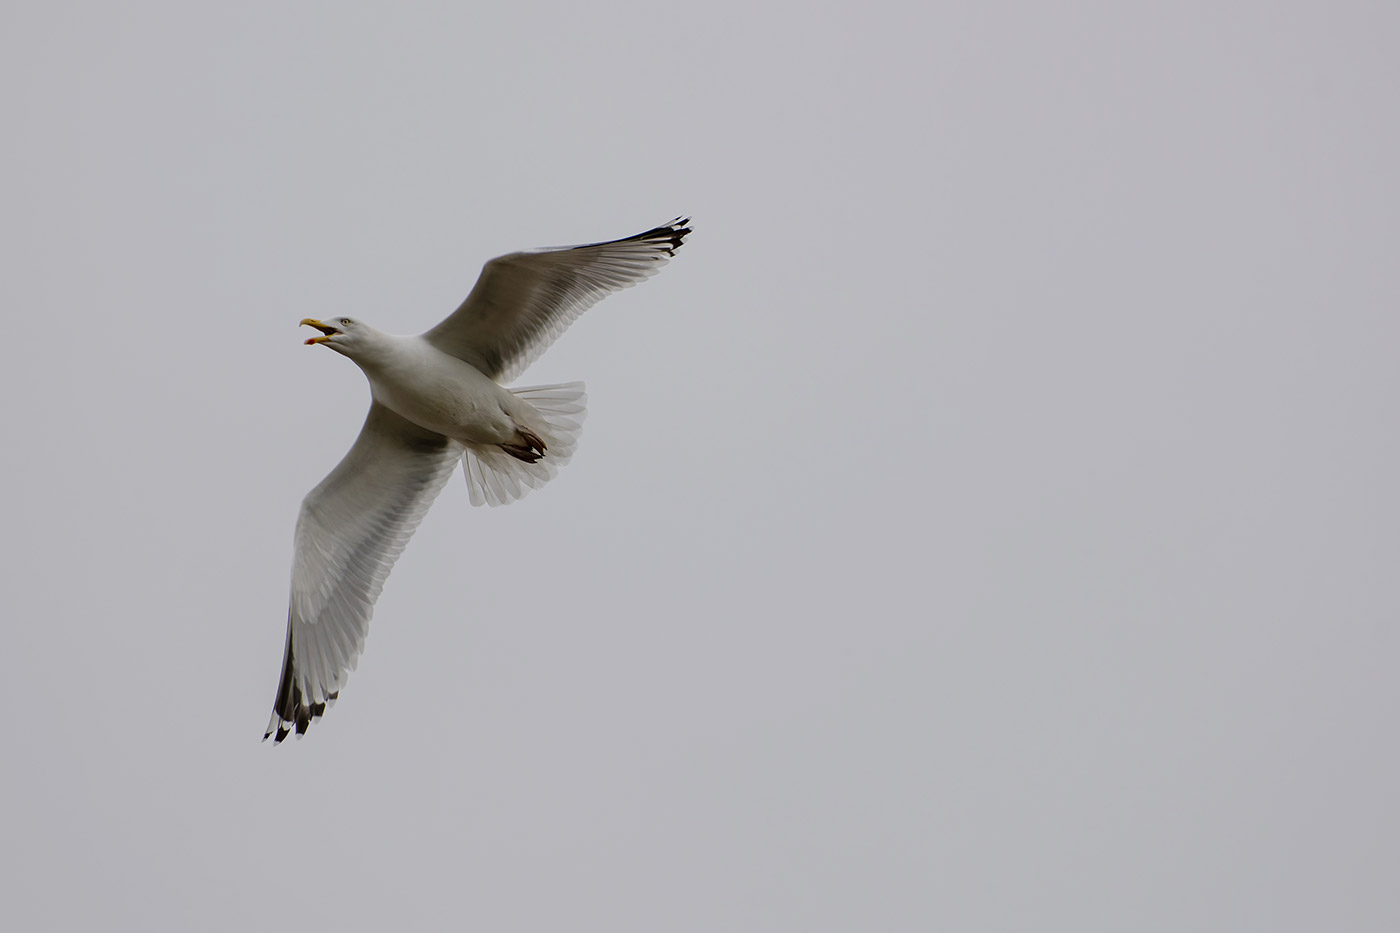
point(325, 329)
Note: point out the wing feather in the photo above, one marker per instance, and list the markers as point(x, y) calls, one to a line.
point(523, 301)
point(352, 528)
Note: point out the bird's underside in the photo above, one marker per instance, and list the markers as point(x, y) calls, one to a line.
point(356, 522)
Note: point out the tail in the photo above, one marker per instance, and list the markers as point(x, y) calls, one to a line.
point(496, 476)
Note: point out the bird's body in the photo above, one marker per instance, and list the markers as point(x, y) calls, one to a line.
point(438, 399)
point(437, 391)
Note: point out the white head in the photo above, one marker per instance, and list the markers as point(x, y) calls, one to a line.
point(345, 335)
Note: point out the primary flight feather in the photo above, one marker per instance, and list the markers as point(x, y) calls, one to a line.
point(438, 399)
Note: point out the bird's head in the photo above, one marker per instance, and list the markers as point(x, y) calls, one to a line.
point(343, 334)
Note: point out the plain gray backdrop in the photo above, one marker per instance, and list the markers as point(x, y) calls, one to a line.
point(987, 522)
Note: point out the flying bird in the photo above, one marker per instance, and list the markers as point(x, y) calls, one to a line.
point(439, 399)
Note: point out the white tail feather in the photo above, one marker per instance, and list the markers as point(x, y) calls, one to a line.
point(494, 477)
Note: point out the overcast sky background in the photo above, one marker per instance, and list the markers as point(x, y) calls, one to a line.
point(987, 522)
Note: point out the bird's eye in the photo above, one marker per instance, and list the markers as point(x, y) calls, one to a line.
point(345, 321)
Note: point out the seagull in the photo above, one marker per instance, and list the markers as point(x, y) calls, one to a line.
point(437, 399)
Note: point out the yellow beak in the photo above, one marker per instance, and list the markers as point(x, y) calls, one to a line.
point(326, 330)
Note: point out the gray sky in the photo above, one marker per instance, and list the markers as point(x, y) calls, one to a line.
point(988, 522)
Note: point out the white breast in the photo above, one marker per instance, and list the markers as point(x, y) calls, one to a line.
point(439, 392)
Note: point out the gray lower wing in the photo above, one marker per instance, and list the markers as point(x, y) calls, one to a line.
point(352, 528)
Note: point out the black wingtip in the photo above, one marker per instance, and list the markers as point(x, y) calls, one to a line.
point(673, 234)
point(290, 707)
point(667, 237)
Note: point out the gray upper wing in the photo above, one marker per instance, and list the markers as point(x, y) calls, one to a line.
point(523, 301)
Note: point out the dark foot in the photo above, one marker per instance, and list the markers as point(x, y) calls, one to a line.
point(529, 448)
